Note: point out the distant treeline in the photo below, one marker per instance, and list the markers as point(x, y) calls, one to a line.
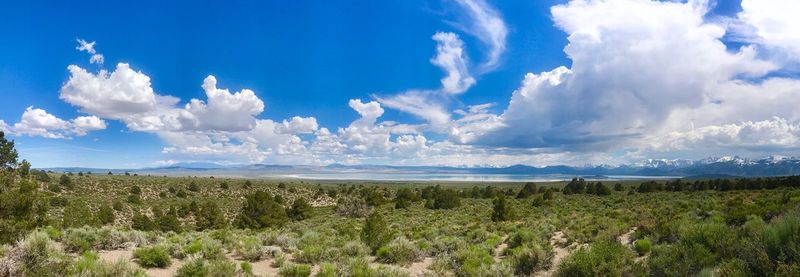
point(581, 186)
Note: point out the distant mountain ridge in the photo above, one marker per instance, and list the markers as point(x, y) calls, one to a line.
point(722, 166)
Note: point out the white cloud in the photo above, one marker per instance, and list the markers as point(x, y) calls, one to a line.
point(89, 48)
point(451, 58)
point(774, 133)
point(487, 25)
point(369, 112)
point(634, 62)
point(475, 122)
point(121, 94)
point(85, 124)
point(421, 104)
point(299, 125)
point(223, 111)
point(773, 24)
point(38, 122)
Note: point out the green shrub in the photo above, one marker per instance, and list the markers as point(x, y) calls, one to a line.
point(496, 270)
point(446, 245)
point(642, 246)
point(295, 270)
point(261, 211)
point(79, 239)
point(54, 187)
point(155, 256)
point(169, 221)
point(404, 197)
point(782, 239)
point(389, 271)
point(78, 214)
point(446, 199)
point(680, 259)
point(470, 260)
point(142, 222)
point(357, 267)
point(53, 233)
point(527, 190)
point(548, 194)
point(90, 265)
point(210, 216)
point(529, 259)
point(310, 254)
point(538, 201)
point(105, 214)
point(300, 210)
point(134, 199)
point(352, 207)
point(221, 268)
point(521, 237)
point(35, 255)
point(603, 258)
point(399, 251)
point(375, 232)
point(278, 259)
point(66, 182)
point(502, 209)
point(327, 270)
point(732, 268)
point(117, 205)
point(194, 267)
point(247, 267)
point(787, 270)
point(355, 249)
point(249, 248)
point(211, 249)
point(193, 187)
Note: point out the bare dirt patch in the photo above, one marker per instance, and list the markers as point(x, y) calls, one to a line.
point(420, 268)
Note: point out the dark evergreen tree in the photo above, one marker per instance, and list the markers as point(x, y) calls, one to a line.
point(300, 210)
point(105, 214)
point(261, 211)
point(375, 232)
point(210, 216)
point(502, 209)
point(528, 190)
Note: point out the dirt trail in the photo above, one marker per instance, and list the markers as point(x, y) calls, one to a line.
point(419, 269)
point(264, 268)
point(500, 249)
point(625, 239)
point(560, 251)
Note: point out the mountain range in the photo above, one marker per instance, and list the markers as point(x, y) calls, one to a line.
point(732, 166)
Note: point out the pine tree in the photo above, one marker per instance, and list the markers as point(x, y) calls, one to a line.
point(502, 210)
point(375, 233)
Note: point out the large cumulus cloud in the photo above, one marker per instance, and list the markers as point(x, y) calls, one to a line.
point(634, 63)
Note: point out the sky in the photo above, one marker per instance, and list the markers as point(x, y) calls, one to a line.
point(136, 84)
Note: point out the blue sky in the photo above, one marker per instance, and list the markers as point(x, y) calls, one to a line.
point(312, 59)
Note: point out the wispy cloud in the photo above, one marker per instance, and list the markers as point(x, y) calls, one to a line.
point(487, 24)
point(89, 48)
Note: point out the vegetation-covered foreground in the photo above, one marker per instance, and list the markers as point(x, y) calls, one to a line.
point(95, 224)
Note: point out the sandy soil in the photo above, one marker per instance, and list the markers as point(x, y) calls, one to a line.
point(560, 251)
point(264, 268)
point(112, 256)
point(127, 254)
point(625, 239)
point(420, 268)
point(500, 249)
